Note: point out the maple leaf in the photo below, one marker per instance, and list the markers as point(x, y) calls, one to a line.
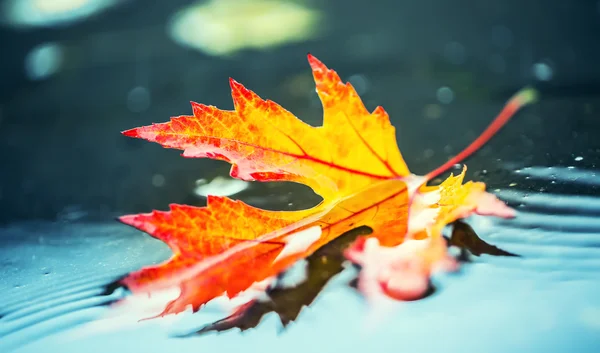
point(352, 161)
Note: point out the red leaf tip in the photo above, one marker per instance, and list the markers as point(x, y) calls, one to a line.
point(127, 219)
point(199, 109)
point(315, 63)
point(240, 94)
point(131, 132)
point(235, 86)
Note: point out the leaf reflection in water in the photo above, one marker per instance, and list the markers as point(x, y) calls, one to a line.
point(287, 301)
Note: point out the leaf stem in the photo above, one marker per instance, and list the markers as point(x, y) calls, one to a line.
point(519, 100)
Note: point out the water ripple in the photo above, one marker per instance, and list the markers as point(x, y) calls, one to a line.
point(556, 235)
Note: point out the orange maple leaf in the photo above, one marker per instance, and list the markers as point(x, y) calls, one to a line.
point(352, 161)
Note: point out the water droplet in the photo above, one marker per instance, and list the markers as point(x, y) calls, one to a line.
point(502, 37)
point(578, 158)
point(497, 64)
point(360, 83)
point(542, 71)
point(158, 180)
point(43, 61)
point(457, 166)
point(221, 186)
point(432, 111)
point(455, 53)
point(445, 95)
point(428, 153)
point(512, 184)
point(570, 167)
point(138, 99)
